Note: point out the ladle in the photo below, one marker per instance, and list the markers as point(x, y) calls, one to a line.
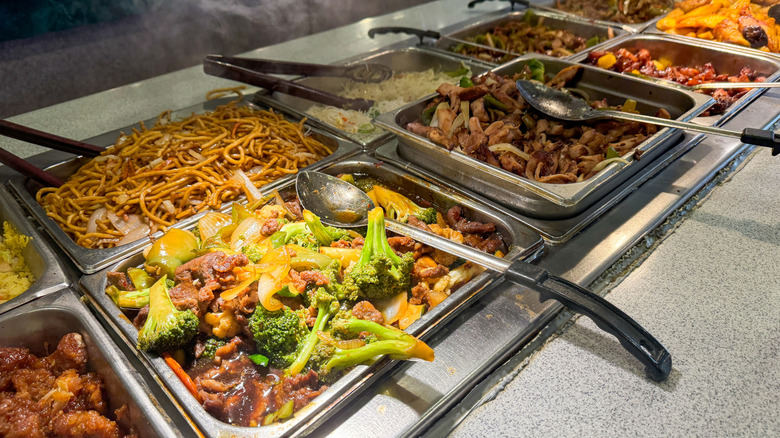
point(562, 106)
point(341, 204)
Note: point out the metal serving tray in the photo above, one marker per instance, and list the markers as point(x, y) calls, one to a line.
point(43, 322)
point(523, 243)
point(685, 52)
point(727, 47)
point(556, 232)
point(91, 260)
point(49, 275)
point(407, 59)
point(545, 200)
point(630, 27)
point(579, 26)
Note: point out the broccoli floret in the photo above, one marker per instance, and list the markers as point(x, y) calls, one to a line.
point(327, 306)
point(305, 240)
point(278, 334)
point(385, 341)
point(254, 252)
point(296, 233)
point(130, 299)
point(325, 235)
point(399, 207)
point(166, 328)
point(287, 232)
point(379, 273)
point(212, 345)
point(334, 286)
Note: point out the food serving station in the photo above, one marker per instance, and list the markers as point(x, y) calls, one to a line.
point(679, 231)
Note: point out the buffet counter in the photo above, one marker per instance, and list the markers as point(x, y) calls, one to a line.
point(701, 282)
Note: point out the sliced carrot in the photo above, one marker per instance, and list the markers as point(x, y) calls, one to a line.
point(182, 375)
point(412, 314)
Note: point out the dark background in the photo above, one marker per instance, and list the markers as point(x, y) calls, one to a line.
point(52, 51)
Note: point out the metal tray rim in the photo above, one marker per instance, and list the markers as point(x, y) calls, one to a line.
point(318, 410)
point(566, 195)
point(53, 277)
point(629, 27)
point(67, 300)
point(686, 41)
point(653, 30)
point(267, 97)
point(92, 260)
point(499, 16)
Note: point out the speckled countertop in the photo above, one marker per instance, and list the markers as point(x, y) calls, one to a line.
point(709, 292)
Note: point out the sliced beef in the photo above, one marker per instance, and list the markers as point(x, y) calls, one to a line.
point(120, 280)
point(401, 244)
point(294, 207)
point(197, 280)
point(463, 225)
point(302, 388)
point(270, 226)
point(367, 311)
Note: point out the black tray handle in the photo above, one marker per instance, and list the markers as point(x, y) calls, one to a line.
point(419, 33)
point(761, 137)
point(635, 339)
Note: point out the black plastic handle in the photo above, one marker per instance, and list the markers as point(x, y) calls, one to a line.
point(635, 339)
point(216, 67)
point(761, 137)
point(419, 33)
point(525, 3)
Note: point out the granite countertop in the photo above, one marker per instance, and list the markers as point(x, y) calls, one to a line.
point(708, 292)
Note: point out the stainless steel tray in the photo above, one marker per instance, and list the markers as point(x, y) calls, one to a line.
point(685, 52)
point(729, 47)
point(544, 200)
point(91, 260)
point(630, 27)
point(524, 243)
point(46, 320)
point(579, 26)
point(406, 59)
point(557, 232)
point(44, 265)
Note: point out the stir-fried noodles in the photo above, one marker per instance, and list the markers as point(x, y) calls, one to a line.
point(154, 177)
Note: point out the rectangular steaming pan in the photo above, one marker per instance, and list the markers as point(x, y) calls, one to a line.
point(546, 200)
point(522, 242)
point(91, 260)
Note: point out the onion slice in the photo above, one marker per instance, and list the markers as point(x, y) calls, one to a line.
point(98, 214)
point(247, 232)
point(137, 233)
point(392, 308)
point(212, 222)
point(604, 163)
point(506, 147)
point(247, 183)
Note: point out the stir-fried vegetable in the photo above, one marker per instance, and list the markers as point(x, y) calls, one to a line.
point(287, 304)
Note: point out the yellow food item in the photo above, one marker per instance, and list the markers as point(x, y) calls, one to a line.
point(15, 276)
point(607, 61)
point(739, 22)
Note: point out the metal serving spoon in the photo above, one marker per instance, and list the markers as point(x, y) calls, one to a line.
point(562, 106)
point(725, 85)
point(341, 204)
